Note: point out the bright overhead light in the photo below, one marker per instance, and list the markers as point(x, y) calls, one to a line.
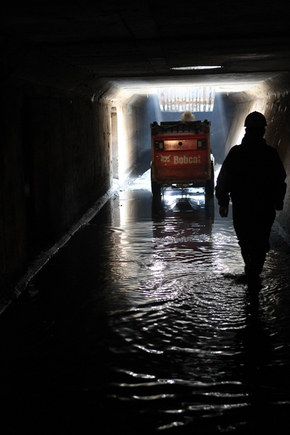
point(183, 98)
point(196, 67)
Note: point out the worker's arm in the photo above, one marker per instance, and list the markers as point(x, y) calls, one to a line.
point(223, 186)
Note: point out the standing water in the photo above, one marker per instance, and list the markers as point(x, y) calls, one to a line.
point(142, 324)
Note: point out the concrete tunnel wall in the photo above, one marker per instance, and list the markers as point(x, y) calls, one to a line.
point(55, 163)
point(57, 158)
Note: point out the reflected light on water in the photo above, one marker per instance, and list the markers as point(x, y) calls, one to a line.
point(187, 347)
point(142, 324)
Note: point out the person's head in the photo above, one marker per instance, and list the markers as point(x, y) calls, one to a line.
point(187, 116)
point(255, 124)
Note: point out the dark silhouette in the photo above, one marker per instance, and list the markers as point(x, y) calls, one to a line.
point(252, 175)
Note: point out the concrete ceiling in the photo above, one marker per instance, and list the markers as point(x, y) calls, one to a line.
point(136, 43)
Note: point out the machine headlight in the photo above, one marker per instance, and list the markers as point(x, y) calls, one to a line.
point(201, 144)
point(159, 145)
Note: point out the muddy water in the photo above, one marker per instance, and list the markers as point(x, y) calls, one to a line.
point(142, 324)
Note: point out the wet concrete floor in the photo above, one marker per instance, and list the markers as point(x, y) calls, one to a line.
point(141, 323)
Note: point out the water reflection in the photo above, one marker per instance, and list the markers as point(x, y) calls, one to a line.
point(142, 324)
point(191, 346)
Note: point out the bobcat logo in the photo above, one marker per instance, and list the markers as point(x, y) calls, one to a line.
point(165, 159)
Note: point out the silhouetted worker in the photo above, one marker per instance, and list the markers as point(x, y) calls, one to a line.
point(252, 175)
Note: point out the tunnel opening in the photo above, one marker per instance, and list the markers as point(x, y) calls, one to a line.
point(233, 100)
point(221, 114)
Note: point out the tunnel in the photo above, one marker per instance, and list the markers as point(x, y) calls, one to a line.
point(72, 122)
point(79, 90)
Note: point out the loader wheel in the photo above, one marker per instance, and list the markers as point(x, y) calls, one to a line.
point(156, 191)
point(209, 195)
point(209, 185)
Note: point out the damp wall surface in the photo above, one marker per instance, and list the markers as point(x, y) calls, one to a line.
point(272, 98)
point(55, 163)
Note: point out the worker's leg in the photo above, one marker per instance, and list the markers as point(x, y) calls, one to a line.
point(253, 232)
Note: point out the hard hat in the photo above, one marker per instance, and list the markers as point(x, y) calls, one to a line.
point(255, 120)
point(187, 116)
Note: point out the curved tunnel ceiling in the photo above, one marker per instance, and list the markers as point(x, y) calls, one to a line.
point(135, 45)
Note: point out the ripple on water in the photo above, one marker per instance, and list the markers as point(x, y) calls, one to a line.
point(189, 349)
point(183, 347)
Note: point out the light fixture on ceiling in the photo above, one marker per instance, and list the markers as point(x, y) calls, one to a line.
point(198, 67)
point(186, 98)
